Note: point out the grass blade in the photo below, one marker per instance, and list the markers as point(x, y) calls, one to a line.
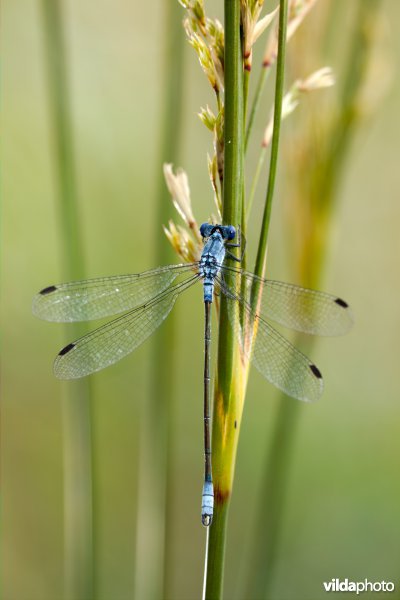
point(78, 452)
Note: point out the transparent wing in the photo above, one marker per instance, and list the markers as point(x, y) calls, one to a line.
point(104, 296)
point(298, 308)
point(111, 342)
point(274, 356)
point(285, 366)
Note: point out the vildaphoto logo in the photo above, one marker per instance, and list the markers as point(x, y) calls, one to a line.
point(344, 585)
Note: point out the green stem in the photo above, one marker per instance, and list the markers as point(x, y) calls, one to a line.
point(280, 76)
point(233, 129)
point(272, 498)
point(78, 453)
point(72, 250)
point(246, 82)
point(256, 102)
point(277, 464)
point(216, 541)
point(173, 121)
point(154, 566)
point(228, 399)
point(254, 183)
point(243, 210)
point(356, 66)
point(243, 224)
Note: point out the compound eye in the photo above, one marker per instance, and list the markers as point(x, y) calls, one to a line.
point(231, 232)
point(204, 230)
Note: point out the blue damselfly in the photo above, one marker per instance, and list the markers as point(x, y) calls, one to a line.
point(147, 298)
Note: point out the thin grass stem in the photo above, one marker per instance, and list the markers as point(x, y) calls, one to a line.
point(256, 102)
point(154, 566)
point(228, 397)
point(243, 223)
point(273, 495)
point(280, 77)
point(173, 125)
point(356, 63)
point(78, 452)
point(256, 178)
point(246, 82)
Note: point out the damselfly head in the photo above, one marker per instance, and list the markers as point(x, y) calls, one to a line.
point(228, 232)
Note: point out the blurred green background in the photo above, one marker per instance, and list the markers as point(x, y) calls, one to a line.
point(342, 517)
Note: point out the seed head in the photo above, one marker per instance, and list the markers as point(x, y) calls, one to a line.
point(299, 9)
point(213, 174)
point(178, 186)
point(188, 248)
point(207, 117)
point(252, 27)
point(319, 79)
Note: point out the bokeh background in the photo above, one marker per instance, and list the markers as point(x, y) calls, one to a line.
point(342, 509)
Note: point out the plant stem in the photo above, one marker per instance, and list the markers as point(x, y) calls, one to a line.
point(173, 121)
point(72, 249)
point(311, 267)
point(272, 498)
point(246, 82)
point(78, 453)
point(154, 560)
point(228, 398)
point(256, 177)
point(216, 542)
point(233, 123)
point(280, 76)
point(233, 166)
point(356, 67)
point(243, 222)
point(256, 102)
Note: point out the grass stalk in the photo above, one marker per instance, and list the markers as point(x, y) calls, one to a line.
point(271, 506)
point(232, 374)
point(228, 397)
point(323, 177)
point(154, 567)
point(256, 102)
point(356, 68)
point(172, 126)
point(78, 453)
point(246, 82)
point(256, 177)
point(280, 78)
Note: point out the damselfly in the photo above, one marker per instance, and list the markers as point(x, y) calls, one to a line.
point(147, 298)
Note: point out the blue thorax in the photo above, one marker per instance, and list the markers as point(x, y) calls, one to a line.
point(213, 254)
